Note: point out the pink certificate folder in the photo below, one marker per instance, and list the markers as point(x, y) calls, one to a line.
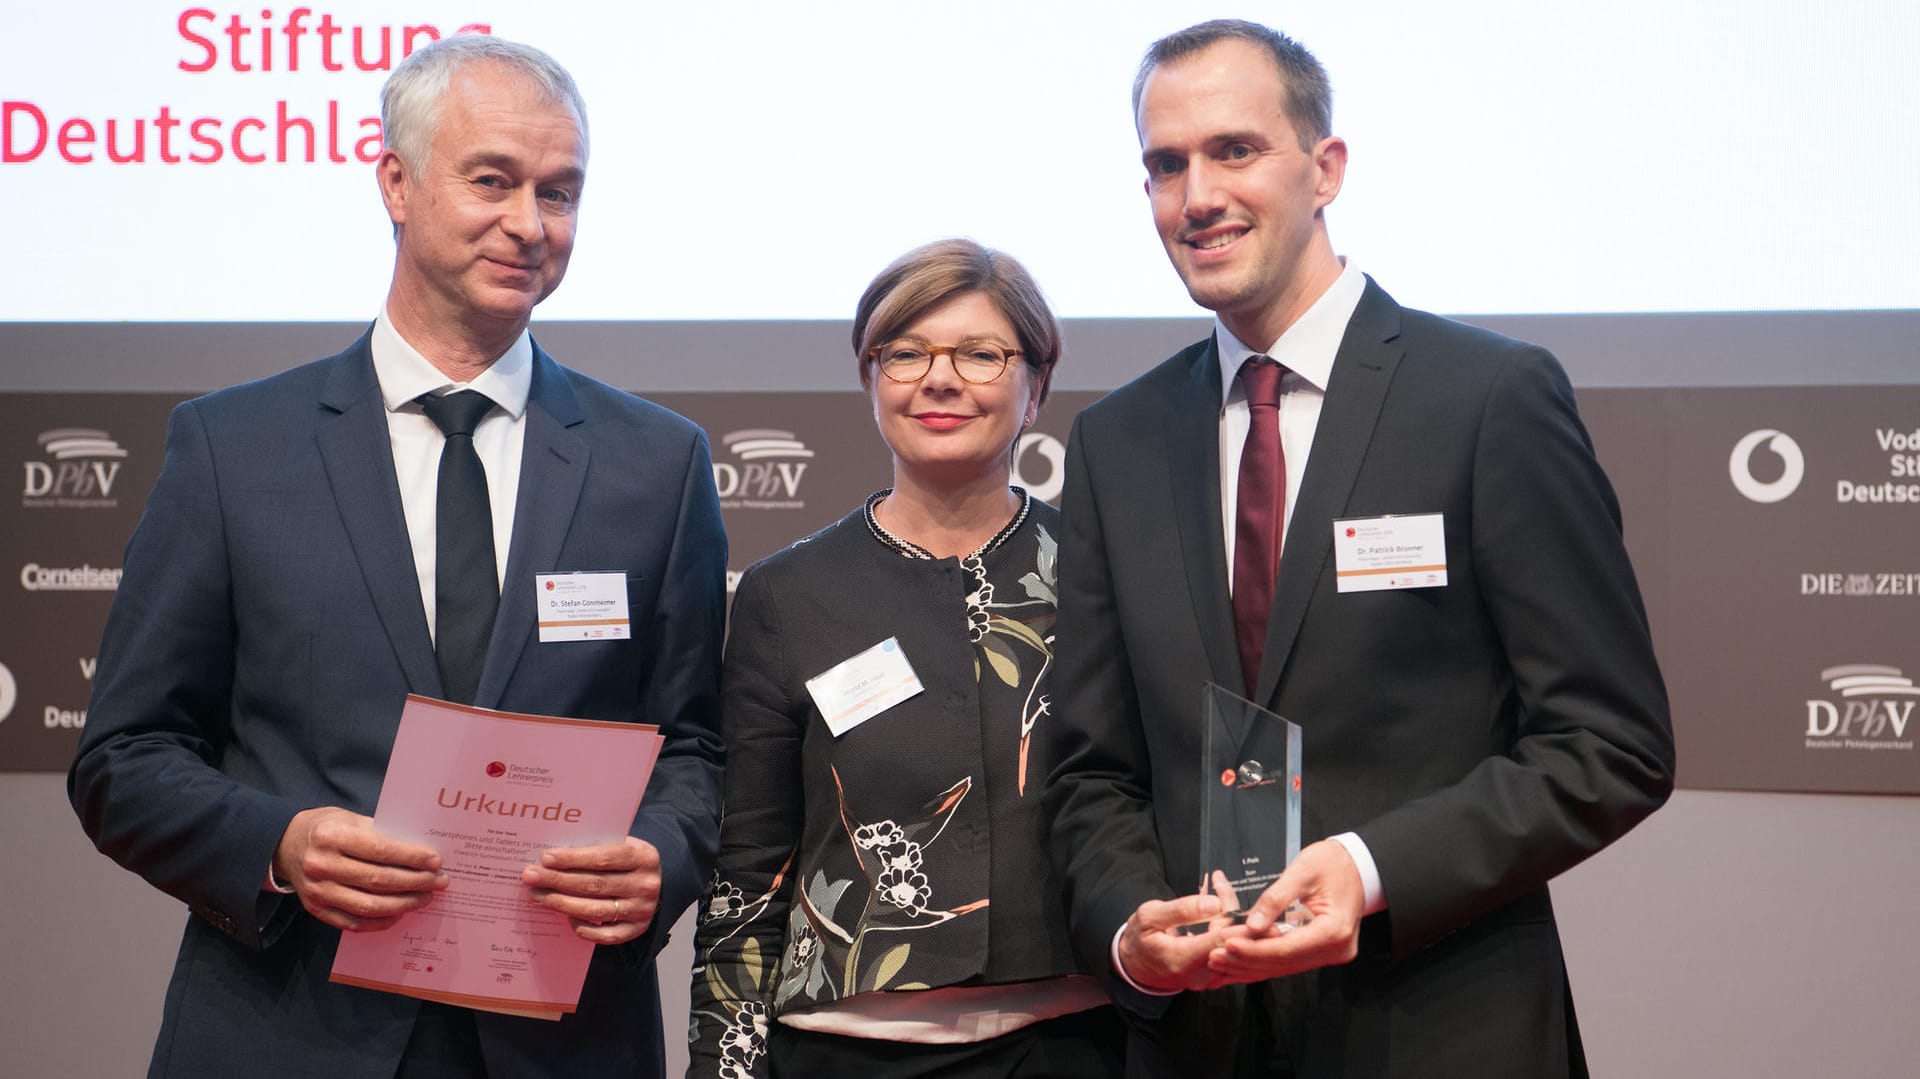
point(490, 791)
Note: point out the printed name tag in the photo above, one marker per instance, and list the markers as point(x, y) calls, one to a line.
point(581, 606)
point(1371, 554)
point(855, 690)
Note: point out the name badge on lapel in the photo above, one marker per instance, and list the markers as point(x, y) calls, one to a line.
point(1373, 554)
point(582, 606)
point(855, 690)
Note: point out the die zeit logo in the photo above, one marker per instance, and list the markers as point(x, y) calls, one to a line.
point(765, 472)
point(78, 469)
point(1860, 584)
point(1874, 705)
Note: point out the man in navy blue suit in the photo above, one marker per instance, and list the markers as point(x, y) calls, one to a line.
point(298, 572)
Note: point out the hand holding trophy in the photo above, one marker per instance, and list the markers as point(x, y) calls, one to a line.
point(1250, 805)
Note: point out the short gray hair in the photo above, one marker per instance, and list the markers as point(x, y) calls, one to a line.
point(1309, 102)
point(410, 102)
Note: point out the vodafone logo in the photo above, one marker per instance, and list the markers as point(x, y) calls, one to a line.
point(9, 692)
point(1049, 450)
point(1740, 465)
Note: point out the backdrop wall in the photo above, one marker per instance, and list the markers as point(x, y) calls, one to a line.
point(1734, 934)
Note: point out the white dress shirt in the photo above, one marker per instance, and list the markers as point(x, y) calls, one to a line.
point(404, 374)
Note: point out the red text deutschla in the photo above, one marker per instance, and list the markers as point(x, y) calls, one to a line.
point(297, 41)
point(251, 140)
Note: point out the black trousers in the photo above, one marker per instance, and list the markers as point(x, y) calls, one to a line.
point(445, 1045)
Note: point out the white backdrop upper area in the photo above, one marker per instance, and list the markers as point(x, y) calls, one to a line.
point(760, 160)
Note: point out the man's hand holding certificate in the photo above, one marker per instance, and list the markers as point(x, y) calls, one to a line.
point(524, 819)
point(607, 892)
point(349, 875)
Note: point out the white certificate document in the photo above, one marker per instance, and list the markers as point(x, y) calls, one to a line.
point(490, 791)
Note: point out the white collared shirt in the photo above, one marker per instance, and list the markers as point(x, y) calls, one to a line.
point(404, 374)
point(1306, 349)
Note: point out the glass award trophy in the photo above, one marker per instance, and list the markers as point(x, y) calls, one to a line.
point(1250, 805)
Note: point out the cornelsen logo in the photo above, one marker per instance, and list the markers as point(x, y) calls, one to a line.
point(766, 471)
point(1860, 584)
point(1740, 466)
point(9, 691)
point(79, 470)
point(1874, 706)
point(35, 577)
point(1054, 455)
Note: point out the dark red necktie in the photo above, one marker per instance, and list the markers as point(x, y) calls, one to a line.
point(1261, 511)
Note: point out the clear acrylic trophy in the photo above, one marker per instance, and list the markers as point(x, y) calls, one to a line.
point(1250, 802)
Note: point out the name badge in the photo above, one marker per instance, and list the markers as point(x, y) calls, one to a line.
point(582, 606)
point(1372, 554)
point(855, 690)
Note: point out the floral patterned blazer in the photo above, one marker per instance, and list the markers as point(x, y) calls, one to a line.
point(909, 852)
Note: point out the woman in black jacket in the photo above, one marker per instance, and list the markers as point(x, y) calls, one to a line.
point(884, 905)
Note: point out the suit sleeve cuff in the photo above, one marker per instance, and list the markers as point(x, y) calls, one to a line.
point(1376, 896)
point(1113, 951)
point(272, 883)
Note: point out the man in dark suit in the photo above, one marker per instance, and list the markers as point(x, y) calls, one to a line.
point(316, 548)
point(1464, 741)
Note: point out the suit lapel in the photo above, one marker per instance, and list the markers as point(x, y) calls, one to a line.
point(553, 466)
point(1193, 451)
point(357, 452)
point(1362, 371)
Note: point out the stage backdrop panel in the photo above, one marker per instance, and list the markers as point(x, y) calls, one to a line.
point(81, 465)
point(1775, 531)
point(1772, 530)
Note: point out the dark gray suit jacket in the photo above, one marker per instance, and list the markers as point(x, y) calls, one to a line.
point(1480, 737)
point(269, 626)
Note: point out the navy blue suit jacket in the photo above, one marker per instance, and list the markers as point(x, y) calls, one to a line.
point(269, 626)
